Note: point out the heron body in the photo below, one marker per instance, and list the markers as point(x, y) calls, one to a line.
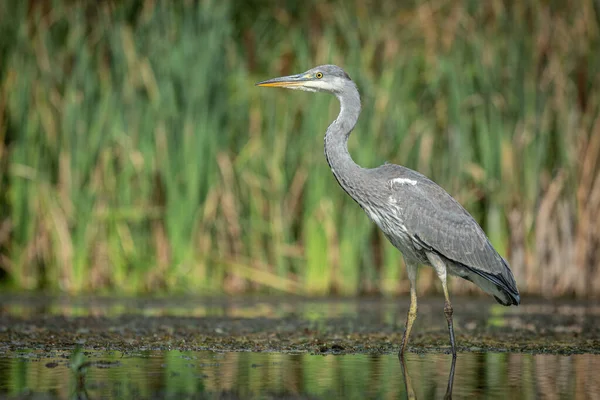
point(416, 215)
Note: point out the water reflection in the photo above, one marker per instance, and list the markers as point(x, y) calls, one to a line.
point(410, 393)
point(180, 375)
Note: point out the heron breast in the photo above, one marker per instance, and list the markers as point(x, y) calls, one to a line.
point(389, 220)
point(391, 223)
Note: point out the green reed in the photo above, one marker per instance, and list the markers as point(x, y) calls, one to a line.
point(137, 155)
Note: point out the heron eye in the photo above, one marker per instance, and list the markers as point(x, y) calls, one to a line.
point(319, 75)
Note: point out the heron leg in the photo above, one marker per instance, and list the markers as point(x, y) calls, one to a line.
point(440, 268)
point(448, 312)
point(412, 310)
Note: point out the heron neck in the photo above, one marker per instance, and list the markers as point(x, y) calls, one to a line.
point(341, 163)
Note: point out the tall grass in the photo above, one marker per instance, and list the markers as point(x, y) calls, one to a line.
point(136, 154)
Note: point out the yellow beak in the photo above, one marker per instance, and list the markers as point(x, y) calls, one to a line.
point(284, 81)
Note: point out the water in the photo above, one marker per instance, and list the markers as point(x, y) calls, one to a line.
point(205, 348)
point(232, 375)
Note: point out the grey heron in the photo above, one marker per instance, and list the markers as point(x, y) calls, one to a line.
point(416, 215)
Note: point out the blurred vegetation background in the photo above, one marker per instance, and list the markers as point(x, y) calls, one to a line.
point(136, 155)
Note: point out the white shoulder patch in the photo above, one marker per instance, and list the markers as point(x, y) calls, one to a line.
point(402, 181)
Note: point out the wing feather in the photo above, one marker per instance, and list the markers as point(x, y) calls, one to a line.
point(439, 223)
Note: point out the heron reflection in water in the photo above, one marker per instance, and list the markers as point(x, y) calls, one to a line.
point(410, 393)
point(417, 216)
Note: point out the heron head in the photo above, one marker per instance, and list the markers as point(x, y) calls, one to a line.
point(324, 78)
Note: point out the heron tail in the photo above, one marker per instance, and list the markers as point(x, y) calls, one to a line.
point(501, 286)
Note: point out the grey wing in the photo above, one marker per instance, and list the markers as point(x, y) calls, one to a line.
point(437, 222)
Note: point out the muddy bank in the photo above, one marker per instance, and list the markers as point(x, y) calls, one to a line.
point(338, 326)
